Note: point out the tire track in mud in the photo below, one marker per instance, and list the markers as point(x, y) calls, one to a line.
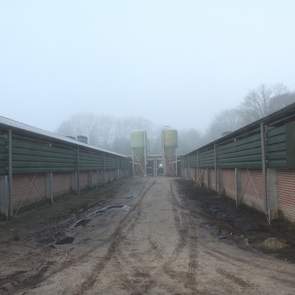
point(187, 237)
point(36, 280)
point(133, 274)
point(126, 225)
point(233, 278)
point(134, 278)
point(155, 248)
point(137, 277)
point(235, 260)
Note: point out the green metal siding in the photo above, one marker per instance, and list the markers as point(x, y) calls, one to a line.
point(244, 150)
point(32, 154)
point(206, 158)
point(89, 160)
point(276, 148)
point(3, 152)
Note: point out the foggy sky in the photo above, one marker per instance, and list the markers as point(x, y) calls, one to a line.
point(174, 62)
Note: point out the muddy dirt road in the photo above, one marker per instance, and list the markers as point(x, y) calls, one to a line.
point(147, 237)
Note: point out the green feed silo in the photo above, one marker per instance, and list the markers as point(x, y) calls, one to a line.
point(139, 152)
point(169, 145)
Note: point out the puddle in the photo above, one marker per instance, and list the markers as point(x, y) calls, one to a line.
point(66, 240)
point(101, 210)
point(81, 222)
point(110, 207)
point(131, 197)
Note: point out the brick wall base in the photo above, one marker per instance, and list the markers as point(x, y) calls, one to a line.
point(248, 187)
point(32, 188)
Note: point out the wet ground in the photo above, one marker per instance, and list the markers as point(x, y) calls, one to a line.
point(145, 236)
point(245, 226)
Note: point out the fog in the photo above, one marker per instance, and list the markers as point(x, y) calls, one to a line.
point(176, 63)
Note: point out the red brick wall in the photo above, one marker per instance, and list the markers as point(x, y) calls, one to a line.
point(252, 188)
point(84, 179)
point(206, 172)
point(31, 188)
point(212, 179)
point(28, 188)
point(252, 185)
point(227, 180)
point(92, 178)
point(203, 176)
point(286, 193)
point(62, 183)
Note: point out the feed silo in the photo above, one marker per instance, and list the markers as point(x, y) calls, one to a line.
point(139, 152)
point(169, 145)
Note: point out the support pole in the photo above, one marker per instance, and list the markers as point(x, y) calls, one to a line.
point(237, 184)
point(145, 155)
point(198, 168)
point(176, 166)
point(237, 187)
point(78, 171)
point(104, 169)
point(133, 164)
point(10, 174)
point(50, 187)
point(216, 168)
point(264, 170)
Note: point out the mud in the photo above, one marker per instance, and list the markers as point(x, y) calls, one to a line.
point(245, 226)
point(172, 239)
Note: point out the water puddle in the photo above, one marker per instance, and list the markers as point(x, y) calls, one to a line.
point(66, 240)
point(111, 207)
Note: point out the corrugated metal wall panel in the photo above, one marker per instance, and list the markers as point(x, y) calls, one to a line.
point(244, 151)
point(276, 148)
point(206, 158)
point(90, 160)
point(3, 152)
point(31, 155)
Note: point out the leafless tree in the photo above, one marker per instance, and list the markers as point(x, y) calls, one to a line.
point(261, 102)
point(226, 121)
point(114, 133)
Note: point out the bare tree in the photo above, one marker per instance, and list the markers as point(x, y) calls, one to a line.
point(106, 131)
point(188, 139)
point(114, 133)
point(226, 121)
point(281, 101)
point(261, 102)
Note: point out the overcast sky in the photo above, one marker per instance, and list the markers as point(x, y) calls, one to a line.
point(174, 62)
